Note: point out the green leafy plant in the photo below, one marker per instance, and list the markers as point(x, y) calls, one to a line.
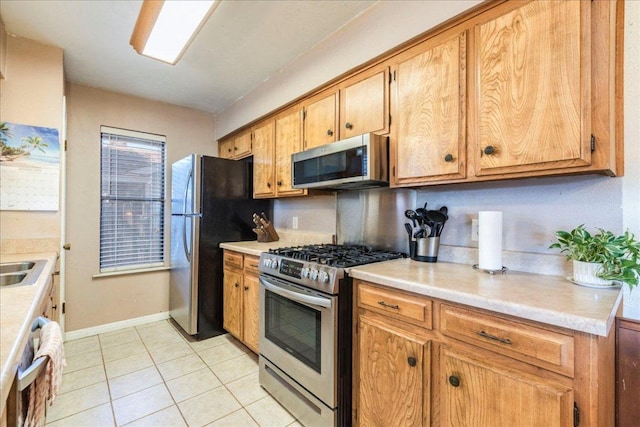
point(619, 255)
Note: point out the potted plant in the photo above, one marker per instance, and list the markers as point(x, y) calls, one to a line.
point(600, 258)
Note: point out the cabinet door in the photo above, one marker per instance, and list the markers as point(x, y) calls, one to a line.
point(320, 121)
point(288, 141)
point(225, 149)
point(364, 105)
point(533, 92)
point(429, 140)
point(477, 393)
point(242, 145)
point(232, 302)
point(264, 160)
point(393, 372)
point(251, 316)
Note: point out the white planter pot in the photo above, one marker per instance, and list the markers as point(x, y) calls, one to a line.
point(585, 272)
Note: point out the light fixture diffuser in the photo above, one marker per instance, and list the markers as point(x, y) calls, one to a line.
point(164, 29)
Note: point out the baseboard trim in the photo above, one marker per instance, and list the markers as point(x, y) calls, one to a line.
point(109, 327)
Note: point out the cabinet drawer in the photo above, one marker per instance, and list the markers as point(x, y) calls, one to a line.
point(232, 260)
point(410, 308)
point(535, 345)
point(251, 264)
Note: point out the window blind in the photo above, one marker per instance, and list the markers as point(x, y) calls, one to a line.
point(132, 192)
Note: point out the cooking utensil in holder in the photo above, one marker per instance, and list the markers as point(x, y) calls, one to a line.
point(426, 249)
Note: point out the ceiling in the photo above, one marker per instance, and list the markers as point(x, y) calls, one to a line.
point(243, 43)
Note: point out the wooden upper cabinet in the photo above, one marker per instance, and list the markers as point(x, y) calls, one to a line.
point(364, 103)
point(264, 160)
point(475, 393)
point(288, 140)
point(237, 147)
point(242, 145)
point(225, 149)
point(531, 87)
point(429, 112)
point(321, 120)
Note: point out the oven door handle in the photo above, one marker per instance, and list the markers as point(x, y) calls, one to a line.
point(295, 296)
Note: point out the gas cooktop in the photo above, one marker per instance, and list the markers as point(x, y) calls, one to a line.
point(340, 256)
point(320, 267)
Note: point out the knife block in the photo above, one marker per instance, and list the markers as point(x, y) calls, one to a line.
point(266, 233)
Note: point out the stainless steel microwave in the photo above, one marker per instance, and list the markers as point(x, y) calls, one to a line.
point(358, 162)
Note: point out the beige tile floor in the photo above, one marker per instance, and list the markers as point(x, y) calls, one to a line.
point(151, 375)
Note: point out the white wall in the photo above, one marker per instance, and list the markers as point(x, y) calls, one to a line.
point(95, 301)
point(533, 208)
point(31, 93)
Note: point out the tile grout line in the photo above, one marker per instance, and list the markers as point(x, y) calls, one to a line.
point(147, 350)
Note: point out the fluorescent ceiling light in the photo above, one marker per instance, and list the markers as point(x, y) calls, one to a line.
point(164, 29)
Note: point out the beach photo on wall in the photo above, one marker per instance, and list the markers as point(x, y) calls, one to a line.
point(29, 167)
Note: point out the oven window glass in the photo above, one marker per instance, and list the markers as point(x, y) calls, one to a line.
point(295, 328)
point(344, 164)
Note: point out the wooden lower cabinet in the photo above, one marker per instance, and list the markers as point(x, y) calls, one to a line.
point(628, 373)
point(477, 393)
point(393, 363)
point(413, 371)
point(241, 298)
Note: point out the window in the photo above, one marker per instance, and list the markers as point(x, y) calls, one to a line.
point(132, 202)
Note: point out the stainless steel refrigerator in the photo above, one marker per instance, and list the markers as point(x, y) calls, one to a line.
point(211, 202)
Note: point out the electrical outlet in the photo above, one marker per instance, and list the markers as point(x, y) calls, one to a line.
point(294, 222)
point(474, 229)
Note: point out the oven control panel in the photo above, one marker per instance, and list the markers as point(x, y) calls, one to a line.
point(311, 274)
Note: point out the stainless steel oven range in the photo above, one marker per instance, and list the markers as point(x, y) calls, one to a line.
point(305, 328)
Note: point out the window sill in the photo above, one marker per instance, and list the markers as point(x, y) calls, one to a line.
point(127, 272)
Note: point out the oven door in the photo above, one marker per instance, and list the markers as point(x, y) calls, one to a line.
point(297, 334)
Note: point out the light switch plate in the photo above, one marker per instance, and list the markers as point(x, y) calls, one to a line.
point(294, 222)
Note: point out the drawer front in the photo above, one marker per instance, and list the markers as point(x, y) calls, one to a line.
point(535, 345)
point(232, 260)
point(251, 264)
point(410, 308)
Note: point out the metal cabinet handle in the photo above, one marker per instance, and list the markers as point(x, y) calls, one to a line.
point(330, 132)
point(448, 158)
point(237, 285)
point(269, 184)
point(279, 183)
point(29, 375)
point(411, 361)
point(393, 306)
point(348, 125)
point(483, 334)
point(454, 381)
point(489, 149)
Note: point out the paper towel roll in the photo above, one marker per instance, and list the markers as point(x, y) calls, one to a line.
point(490, 240)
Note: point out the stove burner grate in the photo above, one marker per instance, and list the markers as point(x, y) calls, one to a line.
point(340, 256)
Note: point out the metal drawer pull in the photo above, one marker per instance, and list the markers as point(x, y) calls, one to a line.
point(29, 375)
point(483, 334)
point(393, 306)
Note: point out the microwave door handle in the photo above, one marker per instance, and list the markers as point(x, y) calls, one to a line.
point(305, 299)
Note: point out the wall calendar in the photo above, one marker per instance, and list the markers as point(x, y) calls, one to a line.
point(29, 168)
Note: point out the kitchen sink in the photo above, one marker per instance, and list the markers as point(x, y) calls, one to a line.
point(11, 267)
point(12, 279)
point(22, 273)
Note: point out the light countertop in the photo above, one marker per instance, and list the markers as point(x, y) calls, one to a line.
point(547, 299)
point(287, 238)
point(19, 306)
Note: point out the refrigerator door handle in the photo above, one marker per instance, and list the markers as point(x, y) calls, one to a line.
point(187, 250)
